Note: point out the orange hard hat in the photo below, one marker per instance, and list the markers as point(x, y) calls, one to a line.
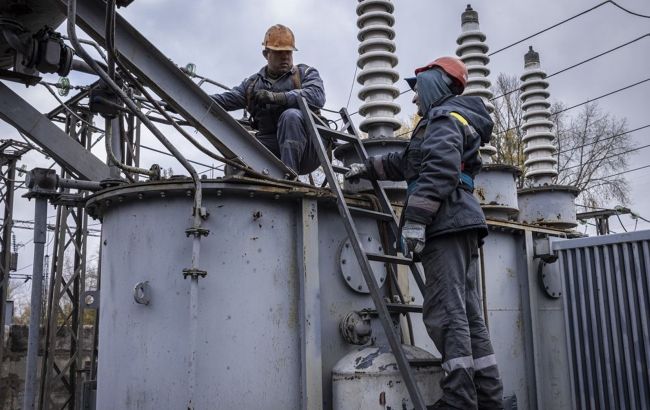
point(279, 37)
point(452, 66)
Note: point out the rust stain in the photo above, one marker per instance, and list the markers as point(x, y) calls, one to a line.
point(480, 192)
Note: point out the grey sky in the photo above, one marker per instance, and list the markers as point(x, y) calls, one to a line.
point(223, 38)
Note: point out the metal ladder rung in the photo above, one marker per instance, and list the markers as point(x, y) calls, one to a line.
point(425, 362)
point(328, 132)
point(381, 257)
point(373, 214)
point(340, 170)
point(403, 308)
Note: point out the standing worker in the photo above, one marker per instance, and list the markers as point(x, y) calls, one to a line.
point(271, 97)
point(444, 224)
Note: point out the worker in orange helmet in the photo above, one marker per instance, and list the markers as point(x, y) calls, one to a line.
point(444, 225)
point(271, 97)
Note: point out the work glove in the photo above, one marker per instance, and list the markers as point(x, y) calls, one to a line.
point(269, 97)
point(413, 237)
point(356, 172)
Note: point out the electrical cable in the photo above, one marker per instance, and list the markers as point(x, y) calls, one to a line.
point(170, 155)
point(628, 11)
point(578, 64)
point(549, 28)
point(354, 77)
point(585, 102)
point(637, 216)
point(357, 112)
point(46, 85)
point(621, 222)
point(566, 21)
point(603, 139)
point(624, 172)
point(602, 96)
point(597, 56)
point(607, 157)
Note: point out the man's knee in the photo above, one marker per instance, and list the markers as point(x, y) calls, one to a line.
point(291, 116)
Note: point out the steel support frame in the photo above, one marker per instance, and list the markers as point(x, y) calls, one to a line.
point(157, 72)
point(65, 293)
point(33, 341)
point(312, 366)
point(11, 152)
point(529, 294)
point(77, 160)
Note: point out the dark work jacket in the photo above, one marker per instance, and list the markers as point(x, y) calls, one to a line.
point(265, 117)
point(431, 165)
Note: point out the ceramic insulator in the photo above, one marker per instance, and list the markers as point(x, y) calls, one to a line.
point(472, 50)
point(377, 61)
point(539, 149)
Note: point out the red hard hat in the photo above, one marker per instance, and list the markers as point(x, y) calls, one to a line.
point(452, 66)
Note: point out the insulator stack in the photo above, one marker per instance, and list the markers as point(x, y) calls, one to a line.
point(541, 202)
point(472, 49)
point(377, 60)
point(539, 150)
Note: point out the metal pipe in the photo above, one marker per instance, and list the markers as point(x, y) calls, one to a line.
point(81, 66)
point(72, 35)
point(6, 244)
point(79, 184)
point(113, 146)
point(40, 231)
point(198, 211)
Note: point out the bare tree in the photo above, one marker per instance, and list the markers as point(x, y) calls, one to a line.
point(591, 145)
point(408, 126)
point(507, 121)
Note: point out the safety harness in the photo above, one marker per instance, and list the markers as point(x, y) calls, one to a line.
point(295, 79)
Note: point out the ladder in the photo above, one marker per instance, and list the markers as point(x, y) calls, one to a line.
point(317, 131)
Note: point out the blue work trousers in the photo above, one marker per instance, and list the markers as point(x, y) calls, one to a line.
point(454, 320)
point(291, 143)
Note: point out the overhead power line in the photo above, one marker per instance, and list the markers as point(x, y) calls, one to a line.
point(354, 77)
point(599, 55)
point(566, 21)
point(608, 157)
point(603, 139)
point(627, 171)
point(603, 96)
point(628, 11)
point(587, 101)
point(579, 64)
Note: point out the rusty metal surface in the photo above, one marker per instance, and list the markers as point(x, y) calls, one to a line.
point(250, 294)
point(368, 378)
point(239, 186)
point(552, 205)
point(496, 191)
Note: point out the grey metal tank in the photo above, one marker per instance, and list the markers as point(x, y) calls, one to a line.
point(368, 378)
point(249, 348)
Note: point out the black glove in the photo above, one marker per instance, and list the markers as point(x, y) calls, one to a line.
point(356, 172)
point(269, 97)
